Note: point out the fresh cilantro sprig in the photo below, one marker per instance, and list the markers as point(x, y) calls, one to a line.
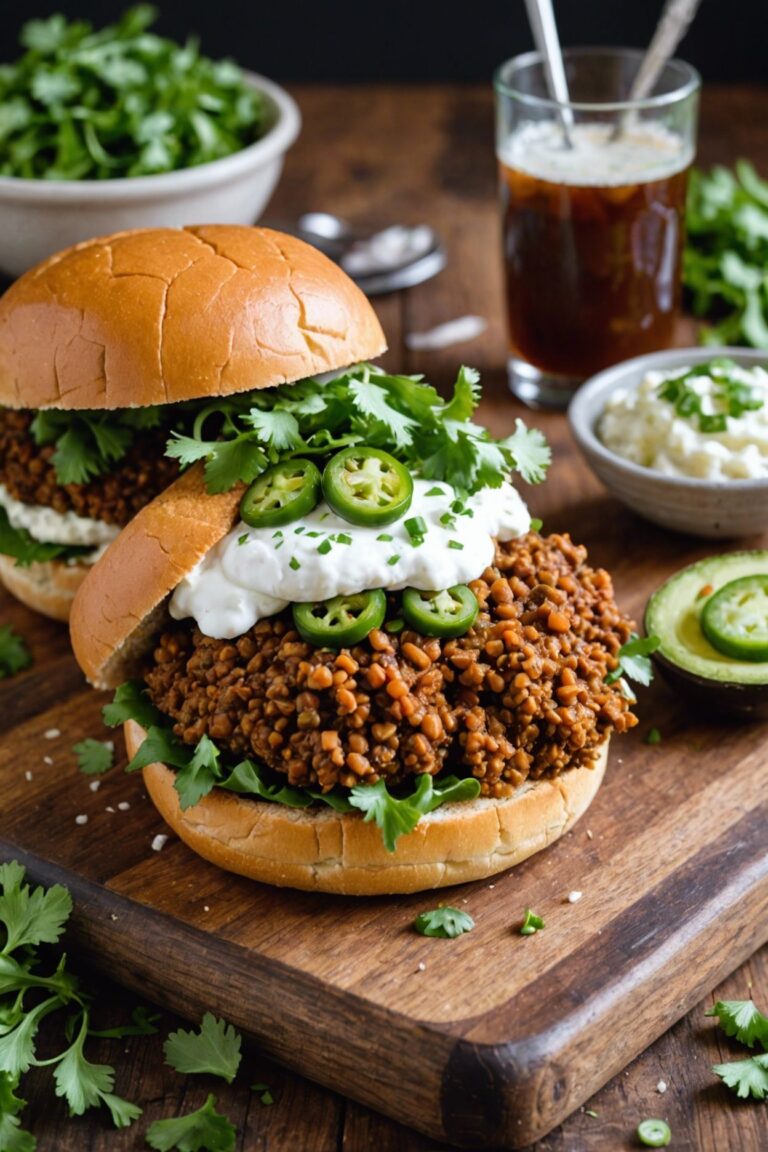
point(14, 654)
point(200, 769)
point(238, 437)
point(89, 443)
point(444, 923)
point(633, 662)
point(215, 1049)
point(93, 105)
point(30, 917)
point(742, 1020)
point(25, 550)
point(726, 253)
point(730, 396)
point(204, 1129)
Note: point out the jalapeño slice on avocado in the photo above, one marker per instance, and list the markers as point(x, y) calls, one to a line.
point(735, 619)
point(450, 612)
point(281, 494)
point(367, 486)
point(342, 620)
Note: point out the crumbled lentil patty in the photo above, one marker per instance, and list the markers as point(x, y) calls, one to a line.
point(522, 694)
point(115, 497)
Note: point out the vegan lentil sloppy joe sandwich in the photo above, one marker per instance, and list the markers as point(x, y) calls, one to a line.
point(357, 667)
point(111, 347)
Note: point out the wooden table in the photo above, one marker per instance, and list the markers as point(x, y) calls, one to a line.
point(415, 154)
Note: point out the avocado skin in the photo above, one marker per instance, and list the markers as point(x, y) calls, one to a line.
point(727, 698)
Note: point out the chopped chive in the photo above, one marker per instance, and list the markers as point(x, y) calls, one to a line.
point(456, 544)
point(314, 535)
point(531, 923)
point(342, 538)
point(434, 492)
point(457, 506)
point(393, 560)
point(242, 539)
point(536, 524)
point(467, 512)
point(324, 547)
point(279, 544)
point(653, 737)
point(385, 537)
point(325, 515)
point(294, 564)
point(394, 626)
point(416, 528)
point(278, 533)
point(298, 531)
point(448, 520)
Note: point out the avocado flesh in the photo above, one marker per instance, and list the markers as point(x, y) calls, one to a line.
point(674, 612)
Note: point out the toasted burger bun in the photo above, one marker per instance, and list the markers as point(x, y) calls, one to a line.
point(48, 588)
point(165, 314)
point(321, 850)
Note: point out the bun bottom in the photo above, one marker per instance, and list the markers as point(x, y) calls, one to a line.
point(326, 851)
point(48, 588)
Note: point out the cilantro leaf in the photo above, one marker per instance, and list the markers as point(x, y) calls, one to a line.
point(205, 1129)
point(94, 756)
point(14, 654)
point(230, 461)
point(278, 428)
point(397, 817)
point(25, 550)
point(633, 660)
point(529, 452)
point(85, 1085)
point(742, 1020)
point(30, 916)
point(215, 1049)
point(13, 1138)
point(445, 923)
point(195, 779)
point(160, 746)
point(466, 395)
point(143, 1021)
point(371, 400)
point(247, 778)
point(747, 1077)
point(131, 702)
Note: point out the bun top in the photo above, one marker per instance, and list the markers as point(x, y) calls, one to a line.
point(120, 605)
point(164, 314)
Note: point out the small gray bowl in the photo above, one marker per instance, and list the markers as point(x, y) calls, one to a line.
point(714, 509)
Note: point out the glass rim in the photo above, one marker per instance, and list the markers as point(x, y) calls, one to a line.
point(690, 84)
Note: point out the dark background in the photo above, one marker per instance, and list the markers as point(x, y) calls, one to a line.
point(413, 40)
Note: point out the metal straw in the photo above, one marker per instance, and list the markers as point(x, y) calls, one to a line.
point(542, 20)
point(673, 24)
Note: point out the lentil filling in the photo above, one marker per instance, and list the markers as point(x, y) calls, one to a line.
point(115, 497)
point(521, 695)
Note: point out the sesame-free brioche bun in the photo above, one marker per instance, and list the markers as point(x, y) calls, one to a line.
point(116, 611)
point(47, 587)
point(161, 315)
point(321, 850)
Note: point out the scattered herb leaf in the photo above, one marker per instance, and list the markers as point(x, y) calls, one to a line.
point(215, 1049)
point(204, 1129)
point(444, 923)
point(14, 654)
point(531, 923)
point(94, 756)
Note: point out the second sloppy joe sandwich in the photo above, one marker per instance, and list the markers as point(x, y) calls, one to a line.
point(354, 667)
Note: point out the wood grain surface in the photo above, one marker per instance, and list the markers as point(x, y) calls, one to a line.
point(497, 1037)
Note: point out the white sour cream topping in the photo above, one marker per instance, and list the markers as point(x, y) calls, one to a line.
point(643, 152)
point(236, 583)
point(640, 426)
point(48, 526)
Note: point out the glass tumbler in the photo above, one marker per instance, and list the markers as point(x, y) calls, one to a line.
point(593, 208)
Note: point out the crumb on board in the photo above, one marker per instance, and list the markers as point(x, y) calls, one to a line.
point(574, 896)
point(81, 819)
point(52, 733)
point(123, 806)
point(159, 842)
point(94, 785)
point(28, 776)
point(661, 1086)
point(48, 760)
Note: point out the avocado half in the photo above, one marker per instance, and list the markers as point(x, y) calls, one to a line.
point(686, 659)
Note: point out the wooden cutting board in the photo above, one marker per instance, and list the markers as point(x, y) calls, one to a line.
point(487, 1040)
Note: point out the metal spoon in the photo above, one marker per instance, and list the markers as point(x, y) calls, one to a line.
point(541, 17)
point(673, 23)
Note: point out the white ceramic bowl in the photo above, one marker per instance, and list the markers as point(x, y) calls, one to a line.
point(715, 509)
point(38, 217)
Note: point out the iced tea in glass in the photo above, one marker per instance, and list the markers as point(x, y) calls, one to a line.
point(592, 200)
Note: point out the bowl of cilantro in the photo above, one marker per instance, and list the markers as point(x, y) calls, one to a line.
point(681, 437)
point(118, 128)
